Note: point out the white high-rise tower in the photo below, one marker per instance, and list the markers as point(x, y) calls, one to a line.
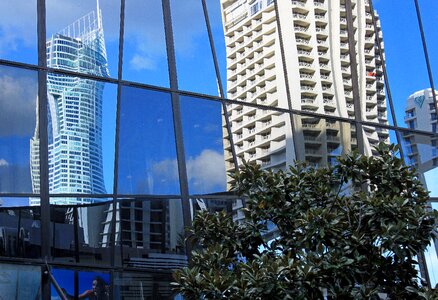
point(315, 38)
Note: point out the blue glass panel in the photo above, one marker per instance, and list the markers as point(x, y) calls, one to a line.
point(18, 31)
point(18, 128)
point(147, 151)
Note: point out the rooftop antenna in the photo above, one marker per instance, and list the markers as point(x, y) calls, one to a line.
point(99, 17)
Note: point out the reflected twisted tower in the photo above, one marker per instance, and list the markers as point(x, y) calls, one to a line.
point(74, 111)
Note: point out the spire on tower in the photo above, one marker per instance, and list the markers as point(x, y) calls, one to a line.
point(99, 17)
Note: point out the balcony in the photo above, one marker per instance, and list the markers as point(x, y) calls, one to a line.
point(306, 76)
point(300, 16)
point(298, 3)
point(307, 100)
point(304, 52)
point(307, 88)
point(300, 29)
point(305, 64)
point(302, 41)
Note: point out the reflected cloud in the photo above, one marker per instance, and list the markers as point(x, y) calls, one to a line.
point(206, 172)
point(13, 30)
point(3, 162)
point(141, 62)
point(18, 96)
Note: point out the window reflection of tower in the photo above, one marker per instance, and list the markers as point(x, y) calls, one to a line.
point(75, 111)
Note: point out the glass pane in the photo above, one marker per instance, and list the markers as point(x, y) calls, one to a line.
point(399, 24)
point(204, 145)
point(20, 233)
point(92, 222)
point(262, 136)
point(229, 204)
point(151, 233)
point(76, 40)
point(81, 149)
point(192, 48)
point(421, 152)
point(18, 129)
point(18, 31)
point(429, 23)
point(143, 285)
point(324, 140)
point(432, 263)
point(92, 284)
point(147, 151)
point(375, 135)
point(420, 112)
point(253, 58)
point(20, 282)
point(144, 48)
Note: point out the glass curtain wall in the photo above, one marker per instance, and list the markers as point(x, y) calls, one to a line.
point(120, 120)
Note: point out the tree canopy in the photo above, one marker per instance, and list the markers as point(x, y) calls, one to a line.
point(349, 231)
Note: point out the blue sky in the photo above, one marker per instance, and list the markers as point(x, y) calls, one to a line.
point(145, 61)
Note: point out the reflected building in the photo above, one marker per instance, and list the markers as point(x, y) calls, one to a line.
point(74, 112)
point(316, 53)
point(421, 114)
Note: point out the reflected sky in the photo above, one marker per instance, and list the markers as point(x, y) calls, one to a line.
point(18, 94)
point(147, 151)
point(203, 144)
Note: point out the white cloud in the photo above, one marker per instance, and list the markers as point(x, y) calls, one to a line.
point(165, 170)
point(141, 62)
point(3, 162)
point(206, 172)
point(144, 27)
point(18, 95)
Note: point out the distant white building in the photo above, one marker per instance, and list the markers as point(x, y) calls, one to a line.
point(421, 114)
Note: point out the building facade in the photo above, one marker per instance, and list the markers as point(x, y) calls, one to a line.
point(421, 115)
point(74, 111)
point(319, 79)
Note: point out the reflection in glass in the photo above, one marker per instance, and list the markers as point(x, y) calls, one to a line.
point(147, 151)
point(227, 204)
point(404, 60)
point(81, 233)
point(421, 152)
point(76, 40)
point(150, 233)
point(262, 136)
point(76, 110)
point(20, 232)
point(420, 111)
point(20, 282)
point(18, 95)
point(194, 60)
point(92, 285)
point(18, 31)
point(203, 145)
point(144, 51)
point(143, 285)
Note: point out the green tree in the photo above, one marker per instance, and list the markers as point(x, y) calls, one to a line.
point(350, 231)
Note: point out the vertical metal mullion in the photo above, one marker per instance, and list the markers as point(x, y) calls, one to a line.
point(354, 78)
point(176, 110)
point(286, 80)
point(220, 86)
point(422, 261)
point(43, 146)
point(426, 55)
point(385, 78)
point(113, 226)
